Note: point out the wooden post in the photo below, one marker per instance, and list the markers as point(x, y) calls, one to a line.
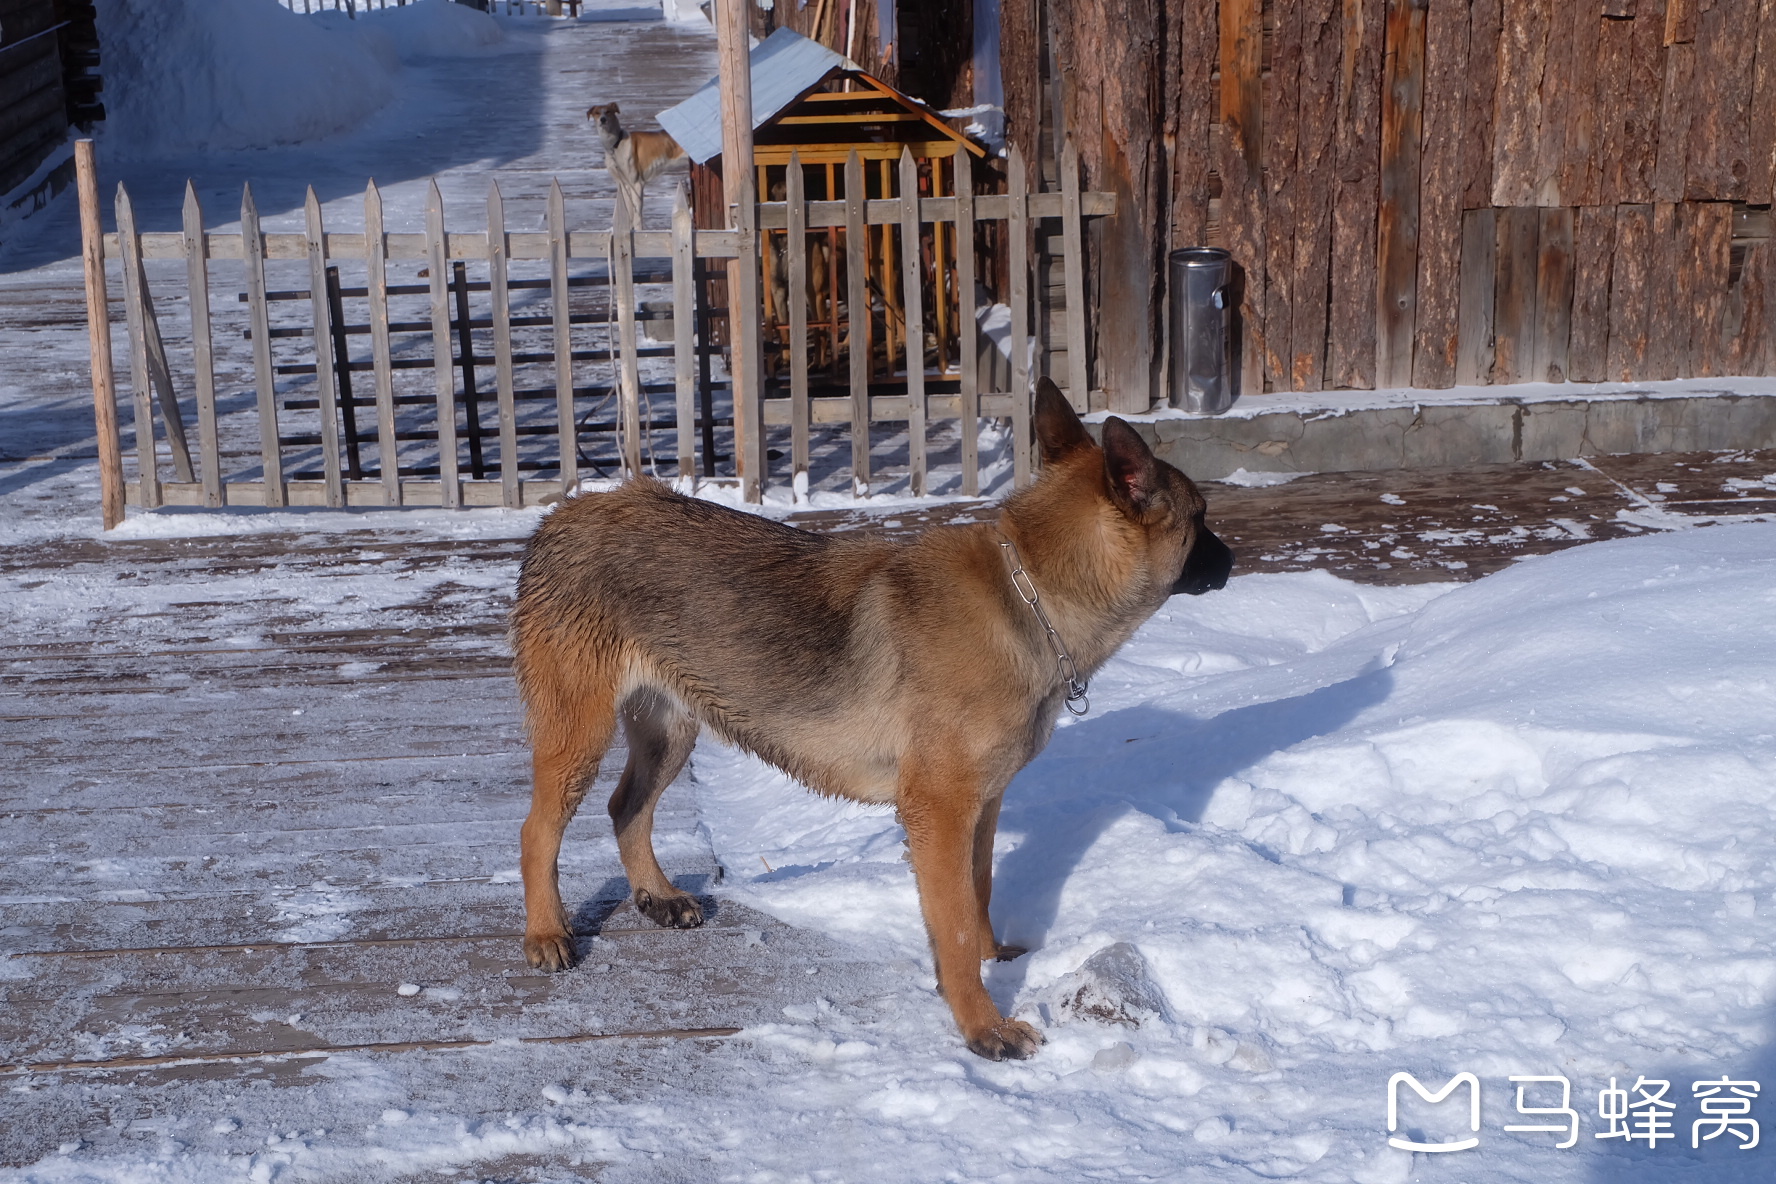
point(1073, 267)
point(147, 471)
point(1549, 353)
point(1402, 111)
point(98, 330)
point(197, 283)
point(796, 259)
point(160, 377)
point(271, 456)
point(323, 339)
point(1018, 235)
point(622, 293)
point(739, 190)
point(564, 392)
point(684, 343)
point(511, 493)
point(966, 342)
point(913, 301)
point(388, 458)
point(443, 375)
point(857, 313)
point(1479, 267)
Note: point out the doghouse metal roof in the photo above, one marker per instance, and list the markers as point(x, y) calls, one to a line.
point(785, 66)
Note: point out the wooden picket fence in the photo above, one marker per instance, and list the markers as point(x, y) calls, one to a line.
point(419, 437)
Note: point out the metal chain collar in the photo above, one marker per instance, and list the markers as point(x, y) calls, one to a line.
point(1026, 588)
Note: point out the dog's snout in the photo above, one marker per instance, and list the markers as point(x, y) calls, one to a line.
point(1207, 568)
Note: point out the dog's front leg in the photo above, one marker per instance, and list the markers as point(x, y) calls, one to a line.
point(984, 830)
point(941, 810)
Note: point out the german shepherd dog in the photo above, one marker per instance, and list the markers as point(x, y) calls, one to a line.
point(632, 158)
point(921, 673)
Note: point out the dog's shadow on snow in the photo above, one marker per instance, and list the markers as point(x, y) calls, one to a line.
point(1161, 763)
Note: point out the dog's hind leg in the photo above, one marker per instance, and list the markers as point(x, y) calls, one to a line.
point(661, 736)
point(984, 830)
point(570, 727)
point(941, 806)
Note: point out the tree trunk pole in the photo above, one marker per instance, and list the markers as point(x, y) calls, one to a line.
point(740, 191)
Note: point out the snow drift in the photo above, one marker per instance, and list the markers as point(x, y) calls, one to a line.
point(217, 75)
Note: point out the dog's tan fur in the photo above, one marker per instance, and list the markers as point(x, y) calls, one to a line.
point(632, 158)
point(882, 671)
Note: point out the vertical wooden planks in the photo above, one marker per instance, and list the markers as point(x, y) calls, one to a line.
point(1630, 286)
point(1675, 102)
point(796, 258)
point(1479, 99)
point(915, 321)
point(1761, 137)
point(147, 470)
point(1519, 164)
point(1079, 391)
point(1719, 165)
point(1629, 55)
point(1351, 323)
point(325, 377)
point(1440, 193)
point(1570, 87)
point(966, 337)
point(197, 283)
point(1240, 163)
point(1281, 186)
point(1402, 122)
point(388, 459)
point(500, 296)
point(684, 345)
point(253, 252)
point(622, 294)
point(98, 331)
point(1708, 253)
point(1743, 331)
point(1552, 341)
point(857, 313)
point(1594, 241)
point(1316, 156)
point(1188, 94)
point(1479, 267)
point(1018, 248)
point(443, 375)
point(1668, 303)
point(160, 377)
point(564, 393)
point(1514, 295)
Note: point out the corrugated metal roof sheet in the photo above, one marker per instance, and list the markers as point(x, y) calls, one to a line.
point(785, 65)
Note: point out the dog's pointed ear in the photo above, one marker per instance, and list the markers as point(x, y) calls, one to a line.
point(1058, 430)
point(1130, 465)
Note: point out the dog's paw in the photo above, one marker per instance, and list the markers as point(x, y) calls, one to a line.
point(1008, 1040)
point(1007, 953)
point(670, 912)
point(550, 951)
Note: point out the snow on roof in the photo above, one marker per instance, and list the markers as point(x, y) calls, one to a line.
point(785, 66)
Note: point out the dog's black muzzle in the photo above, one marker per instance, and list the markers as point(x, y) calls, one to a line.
point(1207, 568)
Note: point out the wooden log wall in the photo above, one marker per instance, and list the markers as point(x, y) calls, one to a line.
point(1424, 192)
point(33, 107)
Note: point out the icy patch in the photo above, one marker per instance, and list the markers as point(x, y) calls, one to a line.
point(1250, 480)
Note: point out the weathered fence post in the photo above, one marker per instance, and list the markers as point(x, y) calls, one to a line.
point(684, 311)
point(98, 330)
point(1018, 237)
point(740, 193)
point(621, 292)
point(442, 371)
point(323, 340)
point(511, 495)
point(966, 342)
point(857, 311)
point(564, 392)
point(913, 301)
point(388, 459)
point(1073, 265)
point(197, 280)
point(130, 247)
point(796, 258)
point(271, 457)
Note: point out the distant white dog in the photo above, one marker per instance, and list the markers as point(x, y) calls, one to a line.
point(632, 158)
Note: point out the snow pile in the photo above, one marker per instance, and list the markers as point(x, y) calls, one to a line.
point(211, 75)
point(1520, 826)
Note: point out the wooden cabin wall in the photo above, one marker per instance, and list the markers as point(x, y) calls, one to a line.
point(1424, 192)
